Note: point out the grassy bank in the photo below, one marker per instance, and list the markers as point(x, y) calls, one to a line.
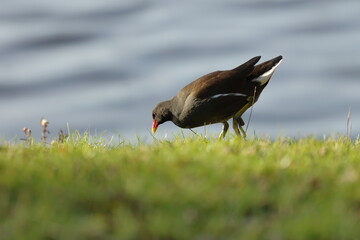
point(182, 189)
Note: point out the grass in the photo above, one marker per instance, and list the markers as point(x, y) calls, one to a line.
point(186, 188)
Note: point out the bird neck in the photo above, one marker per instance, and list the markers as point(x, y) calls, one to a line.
point(172, 109)
point(165, 111)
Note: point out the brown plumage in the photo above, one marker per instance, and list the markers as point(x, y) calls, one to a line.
point(216, 97)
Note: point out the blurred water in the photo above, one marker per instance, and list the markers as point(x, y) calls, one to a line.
point(103, 65)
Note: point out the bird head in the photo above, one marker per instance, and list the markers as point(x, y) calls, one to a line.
point(160, 114)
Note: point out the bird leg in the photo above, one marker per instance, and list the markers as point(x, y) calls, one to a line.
point(236, 126)
point(241, 123)
point(237, 120)
point(224, 130)
point(241, 111)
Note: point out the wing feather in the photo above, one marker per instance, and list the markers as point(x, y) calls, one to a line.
point(221, 82)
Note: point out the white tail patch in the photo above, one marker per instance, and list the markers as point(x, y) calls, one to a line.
point(264, 78)
point(229, 94)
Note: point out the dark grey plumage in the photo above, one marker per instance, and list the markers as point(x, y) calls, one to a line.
point(218, 96)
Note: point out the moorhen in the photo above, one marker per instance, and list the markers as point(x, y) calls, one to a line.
point(217, 97)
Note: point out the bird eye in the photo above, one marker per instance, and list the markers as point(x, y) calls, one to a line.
point(153, 115)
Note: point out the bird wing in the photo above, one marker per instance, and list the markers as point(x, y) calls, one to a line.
point(222, 83)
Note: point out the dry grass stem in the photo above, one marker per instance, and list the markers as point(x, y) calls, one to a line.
point(44, 124)
point(251, 110)
point(348, 124)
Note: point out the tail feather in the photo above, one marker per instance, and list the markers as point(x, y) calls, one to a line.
point(247, 67)
point(263, 72)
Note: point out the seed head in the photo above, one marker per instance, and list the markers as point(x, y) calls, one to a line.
point(27, 131)
point(44, 122)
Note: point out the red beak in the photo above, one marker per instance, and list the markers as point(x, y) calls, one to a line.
point(154, 126)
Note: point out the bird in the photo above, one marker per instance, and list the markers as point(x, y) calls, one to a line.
point(216, 97)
